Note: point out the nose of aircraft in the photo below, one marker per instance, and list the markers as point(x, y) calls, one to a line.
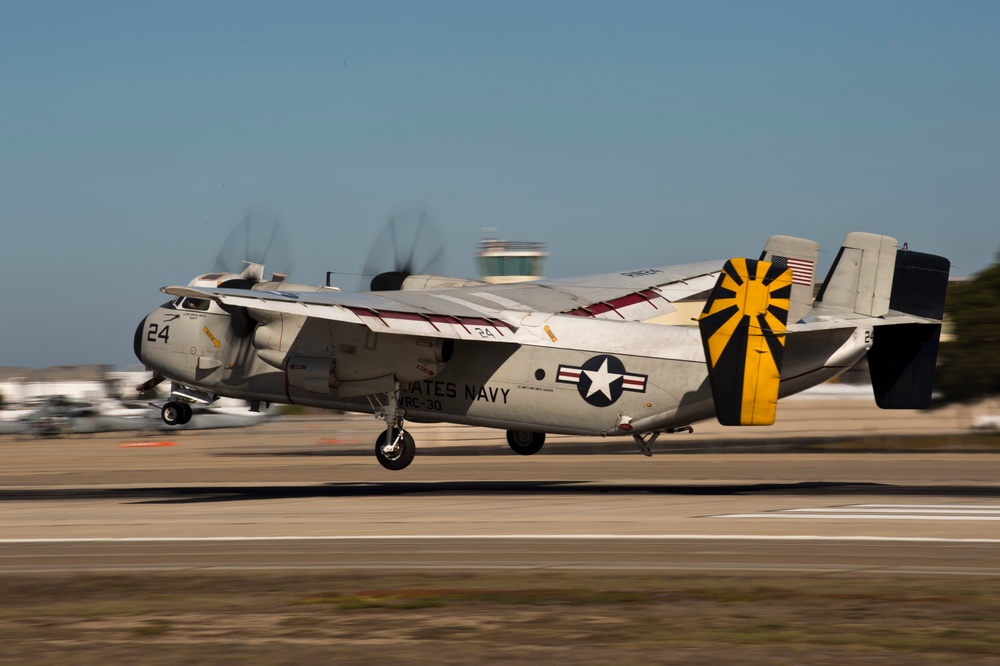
point(137, 341)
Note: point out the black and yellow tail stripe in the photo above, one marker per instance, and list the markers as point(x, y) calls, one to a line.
point(743, 332)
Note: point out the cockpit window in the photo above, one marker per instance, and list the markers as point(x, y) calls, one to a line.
point(200, 304)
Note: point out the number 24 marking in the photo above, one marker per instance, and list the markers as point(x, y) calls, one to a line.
point(155, 333)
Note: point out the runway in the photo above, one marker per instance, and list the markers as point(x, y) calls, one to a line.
point(289, 496)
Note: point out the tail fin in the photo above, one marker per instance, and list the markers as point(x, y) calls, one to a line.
point(860, 280)
point(903, 356)
point(743, 333)
point(800, 256)
point(919, 284)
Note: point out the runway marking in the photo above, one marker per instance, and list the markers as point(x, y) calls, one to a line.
point(143, 445)
point(881, 512)
point(924, 510)
point(505, 537)
point(629, 567)
point(929, 506)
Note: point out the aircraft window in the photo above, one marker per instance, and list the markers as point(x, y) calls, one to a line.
point(200, 304)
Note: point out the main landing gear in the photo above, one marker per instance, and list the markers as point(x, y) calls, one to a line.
point(525, 443)
point(176, 413)
point(394, 448)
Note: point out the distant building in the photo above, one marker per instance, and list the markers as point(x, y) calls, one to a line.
point(77, 382)
point(504, 262)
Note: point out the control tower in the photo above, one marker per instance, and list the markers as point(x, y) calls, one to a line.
point(504, 262)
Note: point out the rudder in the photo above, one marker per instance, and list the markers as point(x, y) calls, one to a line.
point(743, 333)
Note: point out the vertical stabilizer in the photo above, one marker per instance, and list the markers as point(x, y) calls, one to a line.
point(920, 284)
point(860, 280)
point(799, 255)
point(743, 333)
point(903, 357)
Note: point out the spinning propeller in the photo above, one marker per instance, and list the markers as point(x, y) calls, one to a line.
point(409, 243)
point(259, 236)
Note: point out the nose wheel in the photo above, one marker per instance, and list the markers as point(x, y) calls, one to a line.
point(394, 448)
point(176, 413)
point(397, 453)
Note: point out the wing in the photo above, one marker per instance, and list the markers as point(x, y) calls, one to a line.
point(414, 316)
point(636, 295)
point(483, 312)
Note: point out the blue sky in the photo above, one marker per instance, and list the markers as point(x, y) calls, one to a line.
point(132, 135)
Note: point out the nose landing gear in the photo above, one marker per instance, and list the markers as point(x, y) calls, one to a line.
point(394, 448)
point(397, 453)
point(176, 413)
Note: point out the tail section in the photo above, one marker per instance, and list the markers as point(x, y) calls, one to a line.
point(860, 280)
point(895, 297)
point(799, 255)
point(743, 333)
point(901, 295)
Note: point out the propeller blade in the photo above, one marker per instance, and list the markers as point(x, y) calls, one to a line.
point(258, 236)
point(408, 242)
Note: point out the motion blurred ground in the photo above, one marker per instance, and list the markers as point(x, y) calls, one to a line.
point(316, 474)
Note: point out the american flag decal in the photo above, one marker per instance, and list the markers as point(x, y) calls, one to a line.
point(802, 269)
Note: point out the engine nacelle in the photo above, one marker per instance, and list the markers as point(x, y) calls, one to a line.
point(310, 373)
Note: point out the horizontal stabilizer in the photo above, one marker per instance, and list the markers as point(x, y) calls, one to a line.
point(743, 333)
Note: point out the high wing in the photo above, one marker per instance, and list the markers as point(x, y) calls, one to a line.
point(482, 312)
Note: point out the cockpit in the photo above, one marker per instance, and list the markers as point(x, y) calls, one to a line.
point(199, 304)
point(196, 305)
point(209, 281)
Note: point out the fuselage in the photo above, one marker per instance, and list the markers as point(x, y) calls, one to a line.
point(562, 374)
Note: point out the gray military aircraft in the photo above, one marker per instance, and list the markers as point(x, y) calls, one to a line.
point(636, 353)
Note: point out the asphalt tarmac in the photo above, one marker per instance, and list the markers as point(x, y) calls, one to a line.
point(306, 494)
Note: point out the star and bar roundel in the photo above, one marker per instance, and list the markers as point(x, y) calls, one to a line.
point(601, 380)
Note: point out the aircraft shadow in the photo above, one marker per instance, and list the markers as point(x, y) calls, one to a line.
point(543, 488)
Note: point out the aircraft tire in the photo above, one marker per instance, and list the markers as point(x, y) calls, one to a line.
point(186, 413)
point(397, 460)
point(525, 443)
point(172, 413)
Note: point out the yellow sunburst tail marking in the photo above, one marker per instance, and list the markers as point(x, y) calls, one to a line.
point(743, 332)
point(215, 340)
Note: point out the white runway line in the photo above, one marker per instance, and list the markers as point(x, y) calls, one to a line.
point(881, 512)
point(854, 516)
point(927, 506)
point(928, 511)
point(509, 537)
